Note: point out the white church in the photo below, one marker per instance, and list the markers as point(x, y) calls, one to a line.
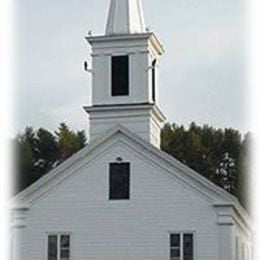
point(121, 197)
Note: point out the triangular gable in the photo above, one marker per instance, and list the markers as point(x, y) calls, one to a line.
point(187, 175)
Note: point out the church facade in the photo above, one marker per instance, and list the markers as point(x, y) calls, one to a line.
point(121, 197)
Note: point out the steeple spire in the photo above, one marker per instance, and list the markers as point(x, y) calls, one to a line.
point(125, 17)
point(124, 69)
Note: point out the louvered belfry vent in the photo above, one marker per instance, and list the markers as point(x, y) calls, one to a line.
point(120, 75)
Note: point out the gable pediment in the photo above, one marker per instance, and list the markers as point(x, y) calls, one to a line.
point(121, 139)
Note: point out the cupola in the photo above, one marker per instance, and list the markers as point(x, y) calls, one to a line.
point(125, 75)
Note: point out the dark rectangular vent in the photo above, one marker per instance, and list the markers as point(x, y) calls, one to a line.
point(154, 80)
point(120, 75)
point(119, 181)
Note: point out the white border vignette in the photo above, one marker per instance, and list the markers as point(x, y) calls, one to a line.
point(254, 16)
point(6, 32)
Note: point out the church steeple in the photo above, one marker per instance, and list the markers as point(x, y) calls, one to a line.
point(124, 75)
point(125, 17)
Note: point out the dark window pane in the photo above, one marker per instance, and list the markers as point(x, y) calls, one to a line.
point(188, 246)
point(65, 253)
point(175, 253)
point(65, 241)
point(153, 79)
point(175, 240)
point(52, 247)
point(119, 181)
point(120, 75)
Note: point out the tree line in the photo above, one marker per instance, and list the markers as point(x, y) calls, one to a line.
point(38, 152)
point(221, 155)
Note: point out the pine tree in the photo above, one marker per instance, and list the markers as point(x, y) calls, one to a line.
point(47, 151)
point(219, 155)
point(226, 174)
point(39, 152)
point(67, 142)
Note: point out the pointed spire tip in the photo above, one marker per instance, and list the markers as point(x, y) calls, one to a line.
point(125, 17)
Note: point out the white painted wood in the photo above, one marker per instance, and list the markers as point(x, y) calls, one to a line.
point(144, 120)
point(18, 241)
point(131, 110)
point(245, 240)
point(161, 202)
point(17, 234)
point(125, 17)
point(226, 242)
point(138, 228)
point(142, 49)
point(125, 35)
point(234, 235)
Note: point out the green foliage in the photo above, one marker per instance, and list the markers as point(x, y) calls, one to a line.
point(219, 155)
point(46, 151)
point(68, 142)
point(244, 170)
point(38, 152)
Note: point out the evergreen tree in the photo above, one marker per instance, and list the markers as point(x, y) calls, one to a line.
point(69, 142)
point(81, 139)
point(219, 155)
point(244, 172)
point(25, 173)
point(47, 151)
point(39, 152)
point(226, 174)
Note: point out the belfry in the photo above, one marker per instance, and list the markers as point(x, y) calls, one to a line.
point(125, 68)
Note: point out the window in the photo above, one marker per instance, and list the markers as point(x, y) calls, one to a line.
point(153, 80)
point(120, 75)
point(59, 247)
point(181, 246)
point(119, 181)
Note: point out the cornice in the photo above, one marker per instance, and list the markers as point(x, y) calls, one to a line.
point(231, 213)
point(153, 39)
point(128, 107)
point(117, 37)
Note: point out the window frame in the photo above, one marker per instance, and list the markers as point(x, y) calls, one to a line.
point(115, 92)
point(181, 234)
point(110, 198)
point(58, 234)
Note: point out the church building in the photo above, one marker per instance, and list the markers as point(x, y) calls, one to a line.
point(121, 197)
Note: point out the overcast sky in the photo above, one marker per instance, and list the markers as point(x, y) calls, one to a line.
point(202, 73)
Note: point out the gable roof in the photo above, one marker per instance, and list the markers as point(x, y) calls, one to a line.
point(218, 195)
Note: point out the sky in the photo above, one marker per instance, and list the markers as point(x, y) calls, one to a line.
point(202, 75)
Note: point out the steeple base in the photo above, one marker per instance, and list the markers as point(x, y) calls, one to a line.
point(146, 120)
